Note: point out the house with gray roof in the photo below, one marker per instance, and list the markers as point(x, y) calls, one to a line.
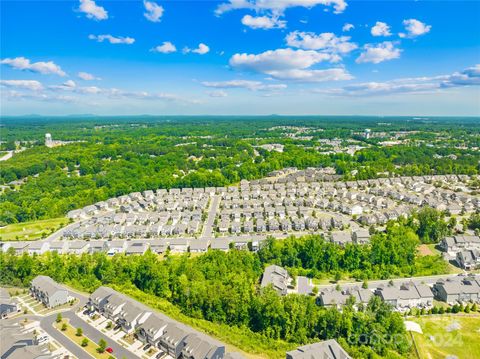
point(99, 298)
point(407, 295)
point(7, 305)
point(152, 329)
point(459, 289)
point(277, 277)
point(138, 248)
point(132, 314)
point(328, 349)
point(38, 247)
point(220, 244)
point(199, 346)
point(17, 345)
point(468, 259)
point(49, 292)
point(172, 341)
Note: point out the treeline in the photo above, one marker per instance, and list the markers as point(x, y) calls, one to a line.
point(224, 288)
point(390, 254)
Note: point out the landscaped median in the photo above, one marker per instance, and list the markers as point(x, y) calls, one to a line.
point(69, 331)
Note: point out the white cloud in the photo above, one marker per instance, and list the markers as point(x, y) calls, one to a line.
point(347, 27)
point(277, 7)
point(263, 22)
point(217, 93)
point(22, 63)
point(166, 48)
point(292, 65)
point(376, 53)
point(87, 77)
point(467, 77)
point(112, 39)
point(280, 59)
point(202, 49)
point(32, 85)
point(247, 84)
point(92, 10)
point(325, 41)
point(381, 29)
point(301, 75)
point(415, 28)
point(153, 12)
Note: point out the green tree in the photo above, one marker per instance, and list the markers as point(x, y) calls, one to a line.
point(102, 345)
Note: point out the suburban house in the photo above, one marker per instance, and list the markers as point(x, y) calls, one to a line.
point(278, 277)
point(361, 236)
point(152, 329)
point(7, 305)
point(338, 298)
point(453, 244)
point(132, 315)
point(174, 338)
point(407, 295)
point(49, 292)
point(199, 346)
point(458, 289)
point(38, 247)
point(15, 344)
point(99, 298)
point(468, 259)
point(328, 349)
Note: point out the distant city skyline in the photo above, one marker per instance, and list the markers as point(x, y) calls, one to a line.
point(240, 57)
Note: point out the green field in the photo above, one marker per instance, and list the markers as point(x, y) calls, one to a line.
point(29, 231)
point(444, 335)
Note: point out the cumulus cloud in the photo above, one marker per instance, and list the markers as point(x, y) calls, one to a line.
point(381, 29)
point(291, 65)
point(22, 63)
point(32, 85)
point(263, 22)
point(347, 27)
point(467, 77)
point(415, 28)
point(217, 93)
point(277, 7)
point(112, 39)
point(202, 49)
point(325, 41)
point(247, 84)
point(87, 77)
point(280, 59)
point(166, 48)
point(376, 53)
point(92, 10)
point(153, 11)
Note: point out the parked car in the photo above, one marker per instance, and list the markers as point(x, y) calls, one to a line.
point(160, 355)
point(146, 347)
point(109, 350)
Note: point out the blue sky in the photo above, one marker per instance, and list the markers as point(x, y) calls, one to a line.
point(240, 57)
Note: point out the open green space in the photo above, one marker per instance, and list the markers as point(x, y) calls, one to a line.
point(448, 335)
point(29, 231)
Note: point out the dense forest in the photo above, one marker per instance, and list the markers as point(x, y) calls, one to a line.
point(123, 155)
point(223, 287)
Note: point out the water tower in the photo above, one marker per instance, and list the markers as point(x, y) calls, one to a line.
point(48, 140)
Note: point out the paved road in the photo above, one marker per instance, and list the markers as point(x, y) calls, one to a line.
point(376, 283)
point(207, 232)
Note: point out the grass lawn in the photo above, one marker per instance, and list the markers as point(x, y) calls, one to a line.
point(29, 231)
point(91, 348)
point(445, 335)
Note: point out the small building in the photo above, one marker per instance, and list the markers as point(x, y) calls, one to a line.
point(277, 277)
point(328, 349)
point(459, 289)
point(49, 292)
point(468, 259)
point(7, 305)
